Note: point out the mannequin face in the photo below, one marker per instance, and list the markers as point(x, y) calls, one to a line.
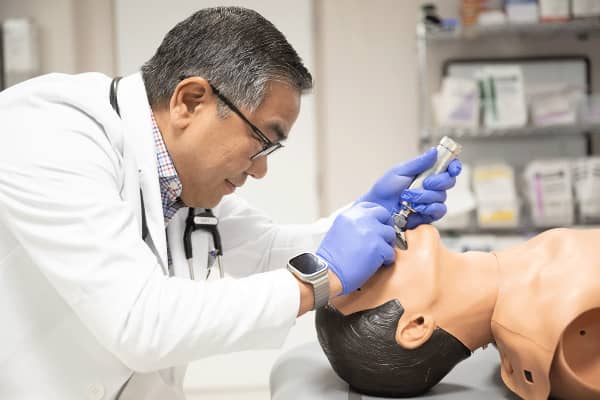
point(212, 154)
point(436, 287)
point(409, 324)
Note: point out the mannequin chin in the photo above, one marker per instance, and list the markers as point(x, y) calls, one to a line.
point(412, 322)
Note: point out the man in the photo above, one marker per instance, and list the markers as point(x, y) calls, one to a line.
point(96, 298)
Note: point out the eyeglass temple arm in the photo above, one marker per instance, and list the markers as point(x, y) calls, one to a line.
point(237, 111)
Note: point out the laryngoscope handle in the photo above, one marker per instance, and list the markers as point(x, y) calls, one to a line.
point(447, 150)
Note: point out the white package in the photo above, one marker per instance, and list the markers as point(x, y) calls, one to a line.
point(498, 205)
point(504, 104)
point(586, 178)
point(549, 192)
point(457, 103)
point(555, 109)
point(521, 13)
point(555, 104)
point(491, 18)
point(554, 10)
point(585, 8)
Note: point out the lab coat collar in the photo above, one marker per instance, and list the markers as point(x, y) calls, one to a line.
point(136, 115)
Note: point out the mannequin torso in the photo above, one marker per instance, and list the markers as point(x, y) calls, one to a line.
point(546, 283)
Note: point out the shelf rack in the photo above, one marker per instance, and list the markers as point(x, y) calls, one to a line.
point(526, 131)
point(428, 35)
point(578, 27)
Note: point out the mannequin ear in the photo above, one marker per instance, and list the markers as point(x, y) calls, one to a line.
point(414, 330)
point(188, 95)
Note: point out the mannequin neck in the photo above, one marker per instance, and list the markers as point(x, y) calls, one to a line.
point(471, 282)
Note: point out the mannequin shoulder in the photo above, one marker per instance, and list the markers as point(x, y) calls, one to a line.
point(560, 242)
point(546, 246)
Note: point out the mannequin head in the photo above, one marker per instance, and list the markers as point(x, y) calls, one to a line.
point(359, 344)
point(412, 322)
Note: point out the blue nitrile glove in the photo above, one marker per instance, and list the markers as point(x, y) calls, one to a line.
point(360, 240)
point(428, 202)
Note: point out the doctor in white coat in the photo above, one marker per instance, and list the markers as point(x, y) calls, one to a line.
point(94, 309)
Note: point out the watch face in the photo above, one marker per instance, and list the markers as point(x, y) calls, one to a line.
point(308, 264)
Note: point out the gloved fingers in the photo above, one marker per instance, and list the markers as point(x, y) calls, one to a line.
point(454, 167)
point(418, 165)
point(387, 233)
point(434, 210)
point(421, 196)
point(425, 214)
point(367, 204)
point(395, 183)
point(441, 181)
point(387, 253)
point(378, 212)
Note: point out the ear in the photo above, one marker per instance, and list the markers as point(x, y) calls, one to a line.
point(414, 330)
point(188, 98)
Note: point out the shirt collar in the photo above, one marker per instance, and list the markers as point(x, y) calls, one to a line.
point(170, 185)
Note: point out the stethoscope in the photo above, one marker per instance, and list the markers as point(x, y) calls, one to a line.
point(205, 220)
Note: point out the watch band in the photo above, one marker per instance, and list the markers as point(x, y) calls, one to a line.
point(318, 280)
point(321, 290)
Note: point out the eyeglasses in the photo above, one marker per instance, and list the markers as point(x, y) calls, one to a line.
point(268, 147)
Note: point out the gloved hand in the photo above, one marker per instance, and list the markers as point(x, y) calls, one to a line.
point(390, 190)
point(360, 240)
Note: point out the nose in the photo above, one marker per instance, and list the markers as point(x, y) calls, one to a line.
point(258, 168)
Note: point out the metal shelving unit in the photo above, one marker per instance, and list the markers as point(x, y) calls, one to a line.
point(427, 36)
point(522, 132)
point(581, 28)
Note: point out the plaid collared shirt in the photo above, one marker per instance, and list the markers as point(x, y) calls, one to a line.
point(170, 185)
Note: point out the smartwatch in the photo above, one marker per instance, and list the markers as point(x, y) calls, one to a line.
point(310, 268)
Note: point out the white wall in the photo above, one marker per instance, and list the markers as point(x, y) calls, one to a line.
point(289, 192)
point(366, 91)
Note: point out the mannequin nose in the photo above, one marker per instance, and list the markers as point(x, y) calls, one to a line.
point(259, 168)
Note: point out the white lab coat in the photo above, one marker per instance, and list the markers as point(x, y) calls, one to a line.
point(84, 301)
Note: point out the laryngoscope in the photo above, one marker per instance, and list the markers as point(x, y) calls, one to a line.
point(447, 150)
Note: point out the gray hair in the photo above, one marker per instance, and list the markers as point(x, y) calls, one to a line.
point(235, 49)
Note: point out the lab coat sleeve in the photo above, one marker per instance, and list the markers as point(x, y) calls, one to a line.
point(59, 195)
point(253, 243)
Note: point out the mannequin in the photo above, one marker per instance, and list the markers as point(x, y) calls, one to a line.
point(539, 301)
